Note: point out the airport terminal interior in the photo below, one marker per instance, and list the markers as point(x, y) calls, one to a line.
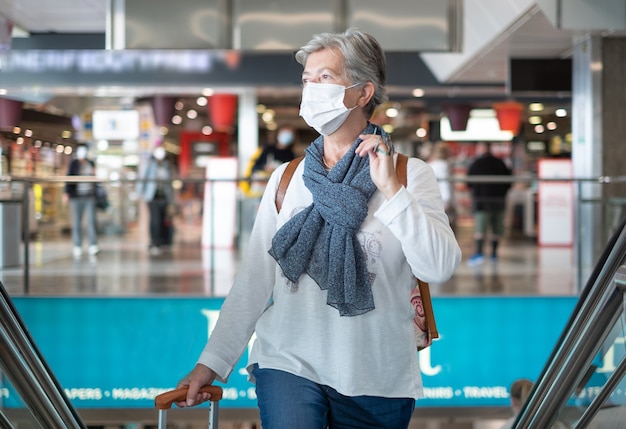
point(111, 326)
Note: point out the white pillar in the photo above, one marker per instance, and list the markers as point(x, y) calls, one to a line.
point(587, 149)
point(248, 138)
point(115, 32)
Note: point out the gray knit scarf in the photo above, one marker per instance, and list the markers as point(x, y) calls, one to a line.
point(321, 239)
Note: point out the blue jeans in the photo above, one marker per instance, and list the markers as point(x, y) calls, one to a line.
point(86, 206)
point(287, 401)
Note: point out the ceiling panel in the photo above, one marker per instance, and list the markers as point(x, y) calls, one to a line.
point(62, 16)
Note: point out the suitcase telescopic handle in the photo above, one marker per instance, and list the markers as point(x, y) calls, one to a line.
point(165, 400)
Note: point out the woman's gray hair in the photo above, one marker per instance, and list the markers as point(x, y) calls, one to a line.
point(364, 59)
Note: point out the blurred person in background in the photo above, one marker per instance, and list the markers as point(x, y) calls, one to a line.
point(273, 155)
point(488, 202)
point(155, 187)
point(439, 161)
point(82, 198)
point(519, 391)
point(267, 158)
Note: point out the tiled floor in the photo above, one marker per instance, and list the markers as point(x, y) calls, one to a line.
point(125, 267)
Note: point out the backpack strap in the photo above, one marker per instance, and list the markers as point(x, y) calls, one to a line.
point(284, 181)
point(283, 184)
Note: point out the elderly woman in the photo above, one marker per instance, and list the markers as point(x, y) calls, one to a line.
point(327, 279)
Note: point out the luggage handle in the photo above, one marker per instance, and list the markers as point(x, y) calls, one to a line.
point(165, 400)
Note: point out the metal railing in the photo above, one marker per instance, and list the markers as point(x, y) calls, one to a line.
point(587, 334)
point(28, 372)
point(26, 183)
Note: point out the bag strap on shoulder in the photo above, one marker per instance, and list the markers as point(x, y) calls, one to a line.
point(284, 181)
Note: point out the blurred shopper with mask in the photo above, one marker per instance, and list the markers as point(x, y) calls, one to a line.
point(156, 190)
point(266, 159)
point(82, 197)
point(275, 154)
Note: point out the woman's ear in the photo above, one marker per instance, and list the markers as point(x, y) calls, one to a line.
point(367, 92)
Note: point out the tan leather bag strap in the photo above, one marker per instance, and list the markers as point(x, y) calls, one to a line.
point(401, 162)
point(429, 314)
point(284, 181)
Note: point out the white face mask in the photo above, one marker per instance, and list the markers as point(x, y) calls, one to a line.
point(81, 152)
point(285, 137)
point(159, 153)
point(322, 106)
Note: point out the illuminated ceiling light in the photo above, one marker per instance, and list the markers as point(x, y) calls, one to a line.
point(20, 140)
point(179, 105)
point(207, 92)
point(392, 112)
point(260, 108)
point(389, 128)
point(192, 114)
point(421, 132)
point(268, 115)
point(66, 134)
point(539, 129)
point(60, 148)
point(201, 101)
point(482, 113)
point(177, 120)
point(207, 130)
point(163, 131)
point(536, 146)
point(28, 133)
point(418, 92)
point(561, 113)
point(535, 107)
point(551, 125)
point(535, 120)
point(68, 150)
point(37, 143)
point(17, 130)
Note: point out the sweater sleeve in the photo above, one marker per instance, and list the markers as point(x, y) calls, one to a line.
point(250, 294)
point(416, 217)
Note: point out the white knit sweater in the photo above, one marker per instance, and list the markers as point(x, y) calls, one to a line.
point(297, 332)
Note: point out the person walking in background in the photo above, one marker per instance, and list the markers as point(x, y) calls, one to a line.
point(156, 190)
point(439, 161)
point(488, 201)
point(330, 301)
point(82, 198)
